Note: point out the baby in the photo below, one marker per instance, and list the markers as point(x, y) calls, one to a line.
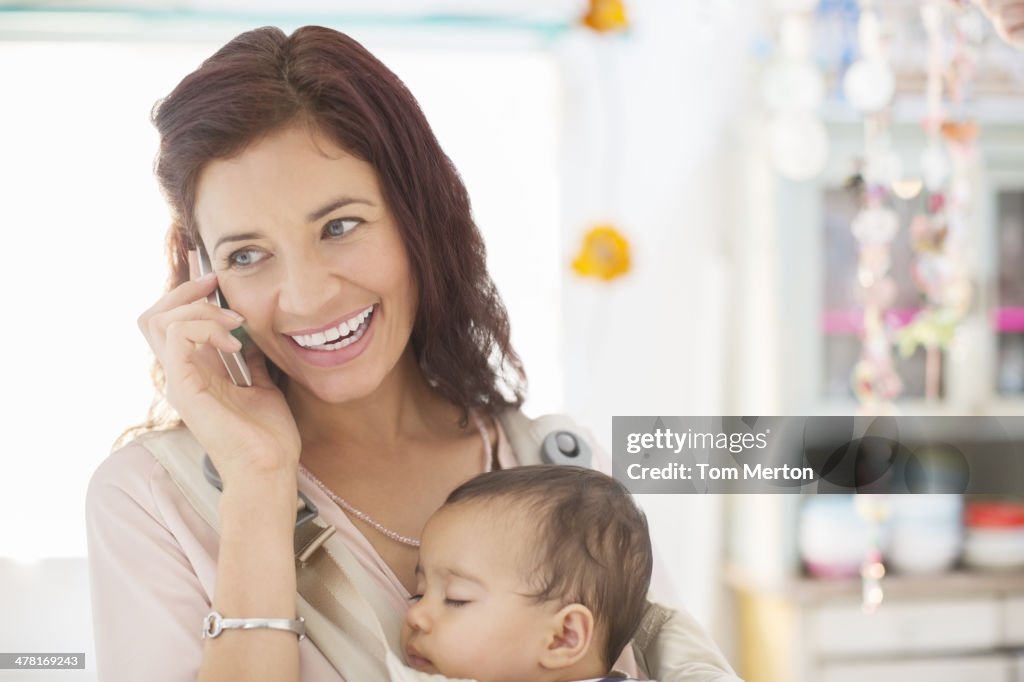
point(532, 574)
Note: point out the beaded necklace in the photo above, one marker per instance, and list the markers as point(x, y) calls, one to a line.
point(365, 518)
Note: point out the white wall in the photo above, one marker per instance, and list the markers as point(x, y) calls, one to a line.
point(45, 607)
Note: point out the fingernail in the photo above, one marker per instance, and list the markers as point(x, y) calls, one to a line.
point(233, 315)
point(207, 277)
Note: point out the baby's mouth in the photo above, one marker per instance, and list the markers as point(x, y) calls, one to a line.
point(418, 661)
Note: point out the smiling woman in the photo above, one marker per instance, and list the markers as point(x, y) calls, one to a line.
point(310, 267)
point(338, 125)
point(382, 374)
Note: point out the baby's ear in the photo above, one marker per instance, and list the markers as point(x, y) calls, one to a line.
point(570, 637)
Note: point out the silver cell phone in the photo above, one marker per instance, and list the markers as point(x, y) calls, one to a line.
point(234, 362)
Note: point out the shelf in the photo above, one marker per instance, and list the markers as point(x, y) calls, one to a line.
point(952, 584)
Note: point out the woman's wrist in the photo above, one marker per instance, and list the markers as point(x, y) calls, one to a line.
point(257, 556)
point(278, 473)
point(268, 501)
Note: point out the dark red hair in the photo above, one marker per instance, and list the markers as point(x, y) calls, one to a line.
point(264, 80)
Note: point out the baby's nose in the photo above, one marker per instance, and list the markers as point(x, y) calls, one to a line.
point(418, 617)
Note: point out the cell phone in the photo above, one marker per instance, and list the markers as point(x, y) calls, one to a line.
point(233, 361)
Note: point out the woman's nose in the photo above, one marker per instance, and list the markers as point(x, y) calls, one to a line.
point(307, 287)
point(418, 616)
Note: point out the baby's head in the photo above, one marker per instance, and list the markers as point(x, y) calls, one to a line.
point(530, 574)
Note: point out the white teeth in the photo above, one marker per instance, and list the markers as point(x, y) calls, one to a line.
point(324, 340)
point(341, 344)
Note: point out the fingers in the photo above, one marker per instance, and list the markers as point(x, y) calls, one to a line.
point(155, 325)
point(176, 335)
point(183, 341)
point(183, 294)
point(184, 336)
point(257, 363)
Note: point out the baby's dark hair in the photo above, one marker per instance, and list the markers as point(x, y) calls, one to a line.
point(594, 547)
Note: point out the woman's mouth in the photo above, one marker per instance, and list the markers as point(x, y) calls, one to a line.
point(344, 334)
point(338, 344)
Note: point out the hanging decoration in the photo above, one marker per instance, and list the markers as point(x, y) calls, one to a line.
point(605, 16)
point(938, 234)
point(604, 254)
point(875, 510)
point(868, 86)
point(793, 89)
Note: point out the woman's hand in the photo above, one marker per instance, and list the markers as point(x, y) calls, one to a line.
point(246, 430)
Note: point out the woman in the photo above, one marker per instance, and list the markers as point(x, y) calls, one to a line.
point(341, 236)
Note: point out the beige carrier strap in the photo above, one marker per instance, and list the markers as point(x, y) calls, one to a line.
point(342, 607)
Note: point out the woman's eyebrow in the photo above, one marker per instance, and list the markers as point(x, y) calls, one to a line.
point(334, 205)
point(241, 236)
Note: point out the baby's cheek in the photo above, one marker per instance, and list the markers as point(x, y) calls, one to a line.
point(406, 630)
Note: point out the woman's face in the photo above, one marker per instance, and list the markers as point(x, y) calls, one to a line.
point(308, 252)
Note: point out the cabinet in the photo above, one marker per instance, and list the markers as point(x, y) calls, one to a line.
point(955, 627)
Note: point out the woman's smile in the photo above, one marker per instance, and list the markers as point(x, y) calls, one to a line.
point(328, 334)
point(336, 344)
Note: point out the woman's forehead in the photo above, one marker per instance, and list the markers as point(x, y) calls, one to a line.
point(287, 176)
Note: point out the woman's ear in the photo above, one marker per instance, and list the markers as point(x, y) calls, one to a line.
point(570, 637)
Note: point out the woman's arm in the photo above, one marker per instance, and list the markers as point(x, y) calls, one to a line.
point(252, 439)
point(152, 588)
point(255, 579)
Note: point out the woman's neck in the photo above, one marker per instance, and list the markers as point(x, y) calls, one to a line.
point(404, 407)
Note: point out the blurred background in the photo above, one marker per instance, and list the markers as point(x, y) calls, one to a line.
point(762, 207)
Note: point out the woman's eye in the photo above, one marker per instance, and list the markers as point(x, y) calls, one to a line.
point(415, 598)
point(341, 226)
point(455, 602)
point(243, 258)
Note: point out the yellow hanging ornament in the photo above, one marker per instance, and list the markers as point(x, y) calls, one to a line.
point(606, 15)
point(604, 254)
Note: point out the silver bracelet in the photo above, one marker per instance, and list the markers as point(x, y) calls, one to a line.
point(214, 624)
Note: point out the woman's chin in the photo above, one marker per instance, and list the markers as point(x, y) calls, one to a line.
point(335, 391)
